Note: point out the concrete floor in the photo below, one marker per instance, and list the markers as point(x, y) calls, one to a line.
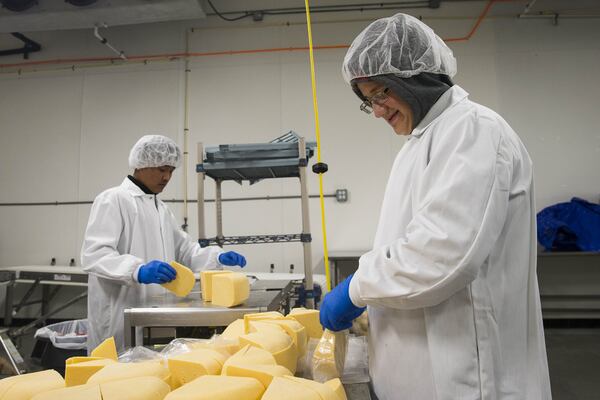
point(574, 363)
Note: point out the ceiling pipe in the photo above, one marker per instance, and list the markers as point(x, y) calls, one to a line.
point(29, 46)
point(104, 41)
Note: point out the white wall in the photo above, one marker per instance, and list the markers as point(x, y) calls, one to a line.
point(65, 135)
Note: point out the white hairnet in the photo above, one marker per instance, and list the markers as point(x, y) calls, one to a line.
point(154, 151)
point(400, 45)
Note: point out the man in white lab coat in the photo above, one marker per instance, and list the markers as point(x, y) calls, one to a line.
point(130, 238)
point(450, 283)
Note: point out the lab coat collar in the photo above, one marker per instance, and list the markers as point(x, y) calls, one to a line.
point(133, 189)
point(446, 101)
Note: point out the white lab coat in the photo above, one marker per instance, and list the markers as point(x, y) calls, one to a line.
point(450, 283)
point(128, 228)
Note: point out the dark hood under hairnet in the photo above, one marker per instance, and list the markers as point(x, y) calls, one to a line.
point(419, 91)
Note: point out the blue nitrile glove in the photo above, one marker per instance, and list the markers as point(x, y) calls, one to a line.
point(156, 272)
point(337, 310)
point(232, 258)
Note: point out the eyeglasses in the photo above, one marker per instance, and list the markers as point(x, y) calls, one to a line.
point(378, 98)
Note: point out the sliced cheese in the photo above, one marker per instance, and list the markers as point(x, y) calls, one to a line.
point(206, 282)
point(264, 373)
point(219, 387)
point(324, 391)
point(79, 373)
point(310, 320)
point(184, 280)
point(83, 392)
point(142, 388)
point(106, 349)
point(296, 331)
point(189, 366)
point(24, 387)
point(259, 317)
point(280, 345)
point(249, 355)
point(230, 290)
point(282, 388)
point(118, 371)
point(329, 356)
point(338, 388)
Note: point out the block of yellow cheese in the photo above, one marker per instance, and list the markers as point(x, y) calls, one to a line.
point(184, 280)
point(249, 355)
point(230, 290)
point(282, 388)
point(24, 387)
point(263, 326)
point(279, 344)
point(337, 387)
point(324, 391)
point(81, 392)
point(264, 373)
point(118, 371)
point(329, 356)
point(141, 388)
point(189, 366)
point(296, 331)
point(79, 359)
point(219, 387)
point(206, 282)
point(106, 349)
point(258, 317)
point(222, 345)
point(310, 320)
point(79, 373)
point(234, 330)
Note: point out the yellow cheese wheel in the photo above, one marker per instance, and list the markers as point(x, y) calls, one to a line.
point(310, 320)
point(264, 373)
point(280, 345)
point(24, 387)
point(206, 282)
point(282, 388)
point(338, 388)
point(219, 387)
point(230, 290)
point(79, 373)
point(324, 391)
point(142, 388)
point(329, 356)
point(82, 392)
point(259, 317)
point(184, 281)
point(106, 349)
point(118, 371)
point(189, 366)
point(249, 355)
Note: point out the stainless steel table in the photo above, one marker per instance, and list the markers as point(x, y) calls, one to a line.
point(170, 311)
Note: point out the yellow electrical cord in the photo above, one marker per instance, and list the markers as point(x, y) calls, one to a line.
point(318, 135)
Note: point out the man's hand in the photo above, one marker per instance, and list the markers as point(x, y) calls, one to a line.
point(156, 272)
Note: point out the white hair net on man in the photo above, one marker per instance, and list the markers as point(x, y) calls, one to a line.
point(400, 45)
point(154, 151)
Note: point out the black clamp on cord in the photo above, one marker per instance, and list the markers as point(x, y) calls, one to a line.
point(320, 168)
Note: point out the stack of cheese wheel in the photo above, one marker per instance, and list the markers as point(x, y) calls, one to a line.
point(255, 358)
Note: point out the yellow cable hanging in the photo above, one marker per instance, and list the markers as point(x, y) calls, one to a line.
point(318, 135)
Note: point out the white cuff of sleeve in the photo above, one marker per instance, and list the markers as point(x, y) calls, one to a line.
point(135, 273)
point(355, 293)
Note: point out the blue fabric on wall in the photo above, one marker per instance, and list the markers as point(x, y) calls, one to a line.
point(572, 226)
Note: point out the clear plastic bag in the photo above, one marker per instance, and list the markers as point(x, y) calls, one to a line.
point(138, 354)
point(71, 335)
point(356, 365)
point(329, 356)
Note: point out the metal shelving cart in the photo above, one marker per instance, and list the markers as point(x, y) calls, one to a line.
point(285, 157)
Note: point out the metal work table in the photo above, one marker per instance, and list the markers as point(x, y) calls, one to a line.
point(40, 275)
point(170, 311)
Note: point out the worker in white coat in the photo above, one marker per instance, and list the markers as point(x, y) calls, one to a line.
point(130, 238)
point(450, 283)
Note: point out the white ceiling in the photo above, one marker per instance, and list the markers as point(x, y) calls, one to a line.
point(48, 15)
